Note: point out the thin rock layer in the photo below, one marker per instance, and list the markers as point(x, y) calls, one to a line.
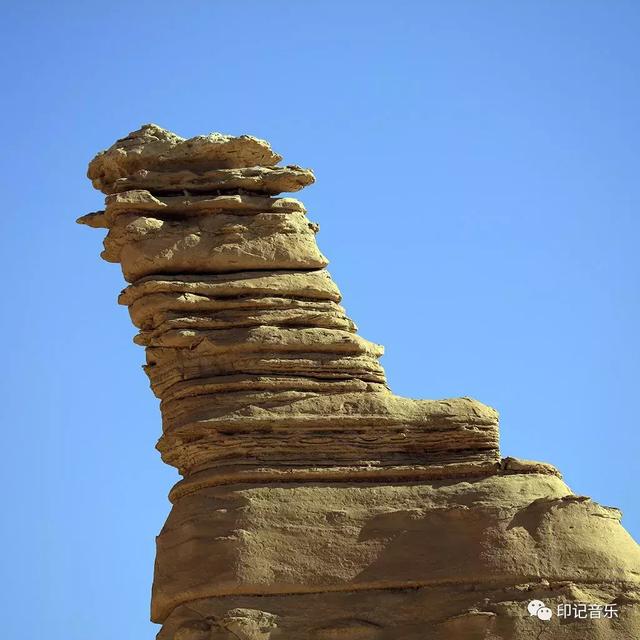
point(273, 408)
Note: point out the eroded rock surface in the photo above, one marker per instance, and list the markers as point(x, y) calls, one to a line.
point(316, 504)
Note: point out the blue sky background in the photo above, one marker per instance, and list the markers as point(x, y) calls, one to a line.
point(478, 193)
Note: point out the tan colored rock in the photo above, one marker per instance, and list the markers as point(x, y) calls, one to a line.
point(444, 611)
point(315, 503)
point(166, 367)
point(154, 148)
point(274, 383)
point(499, 531)
point(216, 244)
point(297, 298)
point(303, 427)
point(165, 206)
point(268, 180)
point(269, 339)
point(314, 285)
point(181, 330)
point(152, 311)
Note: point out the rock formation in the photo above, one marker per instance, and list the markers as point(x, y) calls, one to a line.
point(315, 503)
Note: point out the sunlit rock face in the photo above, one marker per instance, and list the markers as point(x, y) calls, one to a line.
point(316, 504)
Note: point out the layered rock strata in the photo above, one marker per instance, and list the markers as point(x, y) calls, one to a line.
point(315, 503)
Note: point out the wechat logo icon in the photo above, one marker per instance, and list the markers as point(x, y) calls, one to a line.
point(539, 609)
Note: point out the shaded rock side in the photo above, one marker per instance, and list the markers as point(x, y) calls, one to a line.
point(314, 502)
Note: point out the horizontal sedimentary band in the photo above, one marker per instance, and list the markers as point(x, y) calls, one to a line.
point(178, 330)
point(154, 148)
point(288, 426)
point(214, 244)
point(153, 310)
point(469, 466)
point(193, 447)
point(167, 367)
point(269, 339)
point(475, 465)
point(273, 383)
point(320, 410)
point(314, 285)
point(186, 206)
point(267, 180)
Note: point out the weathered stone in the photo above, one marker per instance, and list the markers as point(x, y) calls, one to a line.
point(166, 367)
point(476, 611)
point(283, 298)
point(218, 243)
point(269, 339)
point(269, 427)
point(143, 201)
point(499, 530)
point(175, 329)
point(316, 504)
point(315, 285)
point(152, 311)
point(269, 180)
point(274, 383)
point(154, 148)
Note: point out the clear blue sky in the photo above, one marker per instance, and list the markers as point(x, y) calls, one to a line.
point(478, 196)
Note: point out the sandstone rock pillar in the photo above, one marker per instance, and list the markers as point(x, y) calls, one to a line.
point(316, 504)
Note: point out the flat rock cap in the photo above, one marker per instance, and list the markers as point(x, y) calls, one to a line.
point(153, 148)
